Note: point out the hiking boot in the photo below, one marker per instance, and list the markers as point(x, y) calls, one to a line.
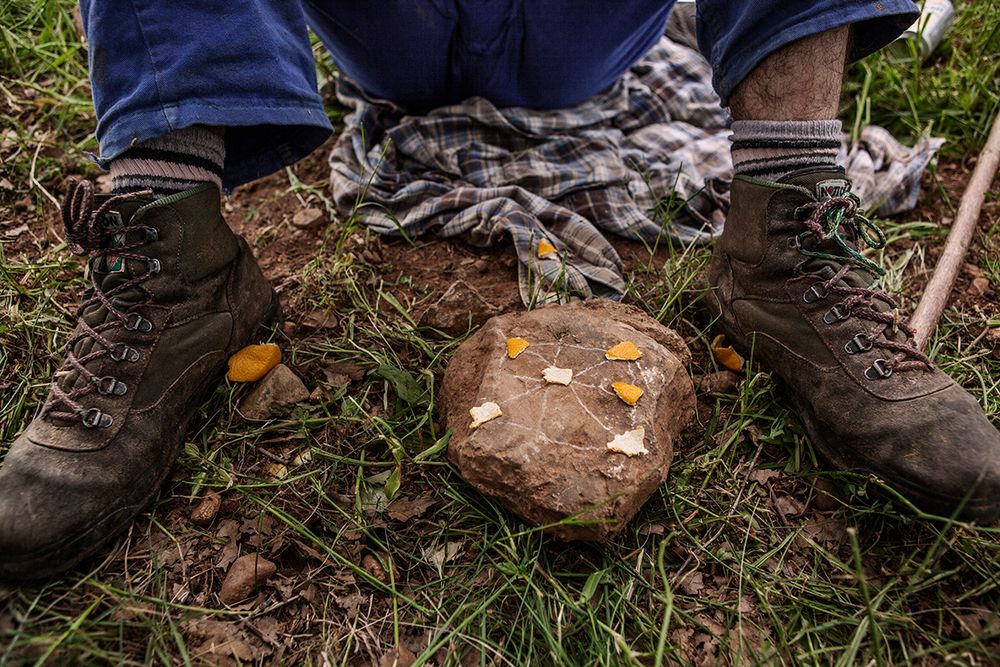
point(789, 283)
point(174, 293)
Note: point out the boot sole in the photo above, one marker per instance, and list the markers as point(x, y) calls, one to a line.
point(850, 461)
point(62, 557)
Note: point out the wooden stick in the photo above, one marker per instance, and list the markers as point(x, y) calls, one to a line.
point(938, 289)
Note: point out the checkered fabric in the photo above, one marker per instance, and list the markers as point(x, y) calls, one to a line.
point(648, 159)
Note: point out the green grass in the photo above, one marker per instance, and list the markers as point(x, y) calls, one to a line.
point(728, 562)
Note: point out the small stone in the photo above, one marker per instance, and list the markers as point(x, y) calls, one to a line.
point(827, 496)
point(720, 382)
point(279, 390)
point(245, 576)
point(458, 309)
point(979, 286)
point(307, 218)
point(547, 458)
point(372, 566)
point(207, 509)
point(481, 265)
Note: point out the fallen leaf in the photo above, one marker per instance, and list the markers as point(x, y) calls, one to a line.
point(320, 319)
point(228, 530)
point(342, 373)
point(726, 355)
point(440, 555)
point(788, 506)
point(692, 583)
point(763, 475)
point(405, 509)
point(15, 232)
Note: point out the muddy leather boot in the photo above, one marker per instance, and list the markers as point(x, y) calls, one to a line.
point(790, 286)
point(174, 293)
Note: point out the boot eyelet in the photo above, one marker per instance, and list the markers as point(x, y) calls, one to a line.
point(110, 386)
point(94, 418)
point(124, 353)
point(815, 293)
point(153, 266)
point(836, 314)
point(880, 369)
point(861, 342)
point(152, 234)
point(136, 322)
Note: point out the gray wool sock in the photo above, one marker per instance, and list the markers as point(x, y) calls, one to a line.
point(177, 161)
point(769, 149)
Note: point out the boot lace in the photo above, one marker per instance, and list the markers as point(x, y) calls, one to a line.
point(107, 245)
point(841, 220)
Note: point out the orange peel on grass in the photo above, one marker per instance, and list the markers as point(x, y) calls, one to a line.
point(725, 354)
point(253, 362)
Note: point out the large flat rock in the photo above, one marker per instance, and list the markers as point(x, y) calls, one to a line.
point(547, 457)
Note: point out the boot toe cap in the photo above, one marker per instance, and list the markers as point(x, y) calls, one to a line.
point(48, 520)
point(946, 457)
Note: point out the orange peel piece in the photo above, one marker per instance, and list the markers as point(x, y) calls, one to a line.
point(554, 375)
point(516, 346)
point(545, 249)
point(483, 413)
point(623, 351)
point(627, 392)
point(629, 443)
point(253, 362)
point(725, 354)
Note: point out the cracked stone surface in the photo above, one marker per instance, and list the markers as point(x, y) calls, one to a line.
point(546, 457)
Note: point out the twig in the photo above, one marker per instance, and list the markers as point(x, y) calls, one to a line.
point(938, 289)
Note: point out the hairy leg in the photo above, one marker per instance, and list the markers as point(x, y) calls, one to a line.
point(800, 81)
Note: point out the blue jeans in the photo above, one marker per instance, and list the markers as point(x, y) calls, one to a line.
point(247, 64)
